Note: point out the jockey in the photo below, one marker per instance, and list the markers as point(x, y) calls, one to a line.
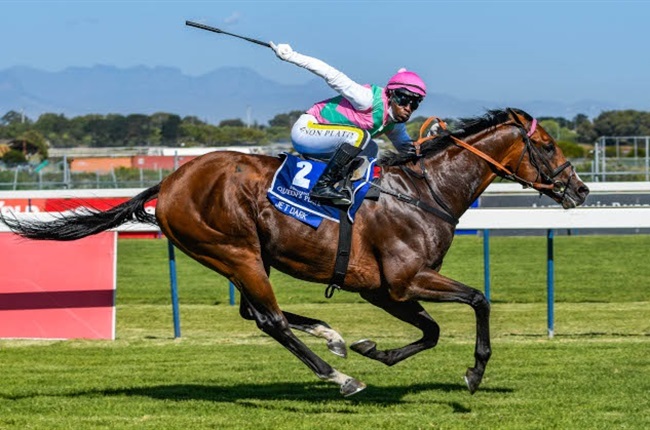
point(340, 128)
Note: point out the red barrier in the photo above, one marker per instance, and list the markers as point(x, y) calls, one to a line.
point(58, 290)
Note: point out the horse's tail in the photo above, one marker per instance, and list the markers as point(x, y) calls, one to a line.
point(85, 222)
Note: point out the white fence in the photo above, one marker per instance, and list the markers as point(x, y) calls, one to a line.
point(556, 218)
point(505, 189)
point(635, 163)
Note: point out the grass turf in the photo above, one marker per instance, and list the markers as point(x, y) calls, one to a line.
point(224, 373)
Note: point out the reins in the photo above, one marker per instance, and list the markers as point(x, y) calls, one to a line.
point(444, 214)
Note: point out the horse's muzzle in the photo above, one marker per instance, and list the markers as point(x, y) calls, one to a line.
point(573, 195)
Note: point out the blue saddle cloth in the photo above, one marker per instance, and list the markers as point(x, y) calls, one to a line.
point(289, 191)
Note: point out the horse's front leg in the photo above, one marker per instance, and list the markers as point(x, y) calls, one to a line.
point(410, 312)
point(431, 286)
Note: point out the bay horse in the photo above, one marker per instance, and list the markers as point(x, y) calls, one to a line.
point(215, 209)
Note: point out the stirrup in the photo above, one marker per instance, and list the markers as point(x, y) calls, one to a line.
point(345, 201)
point(331, 194)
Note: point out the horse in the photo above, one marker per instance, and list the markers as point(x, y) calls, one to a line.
point(215, 209)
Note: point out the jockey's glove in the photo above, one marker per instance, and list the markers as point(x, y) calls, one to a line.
point(283, 51)
point(435, 129)
point(409, 150)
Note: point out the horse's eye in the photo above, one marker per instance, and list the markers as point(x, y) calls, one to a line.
point(549, 148)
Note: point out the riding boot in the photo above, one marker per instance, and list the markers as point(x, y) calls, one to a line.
point(333, 173)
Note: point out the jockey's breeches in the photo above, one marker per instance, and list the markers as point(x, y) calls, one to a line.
point(321, 140)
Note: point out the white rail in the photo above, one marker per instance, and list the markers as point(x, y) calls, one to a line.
point(485, 219)
point(503, 189)
point(555, 218)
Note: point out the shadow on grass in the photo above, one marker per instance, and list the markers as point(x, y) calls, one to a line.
point(308, 393)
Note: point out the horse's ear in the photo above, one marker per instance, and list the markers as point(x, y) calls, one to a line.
point(515, 116)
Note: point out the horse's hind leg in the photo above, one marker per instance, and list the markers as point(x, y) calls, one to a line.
point(411, 312)
point(314, 327)
point(317, 328)
point(256, 287)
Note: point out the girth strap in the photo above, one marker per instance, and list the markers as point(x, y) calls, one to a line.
point(342, 255)
point(425, 207)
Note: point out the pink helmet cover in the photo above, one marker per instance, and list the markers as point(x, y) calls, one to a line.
point(407, 80)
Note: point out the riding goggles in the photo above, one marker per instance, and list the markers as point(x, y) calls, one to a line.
point(402, 98)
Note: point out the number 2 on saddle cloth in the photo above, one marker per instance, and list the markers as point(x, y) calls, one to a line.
point(292, 182)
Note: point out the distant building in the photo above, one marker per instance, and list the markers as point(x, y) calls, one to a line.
point(104, 160)
point(99, 164)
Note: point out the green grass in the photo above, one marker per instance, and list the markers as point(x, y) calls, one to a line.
point(225, 374)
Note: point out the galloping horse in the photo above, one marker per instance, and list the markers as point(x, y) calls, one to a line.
point(215, 209)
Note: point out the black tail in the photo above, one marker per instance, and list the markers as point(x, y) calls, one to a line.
point(86, 222)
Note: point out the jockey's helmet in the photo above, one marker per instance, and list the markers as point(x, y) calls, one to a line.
point(409, 81)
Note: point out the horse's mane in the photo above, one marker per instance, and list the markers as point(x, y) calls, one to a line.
point(463, 128)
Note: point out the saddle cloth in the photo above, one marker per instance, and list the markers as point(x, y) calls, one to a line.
point(291, 184)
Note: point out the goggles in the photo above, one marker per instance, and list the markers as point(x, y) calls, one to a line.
point(402, 98)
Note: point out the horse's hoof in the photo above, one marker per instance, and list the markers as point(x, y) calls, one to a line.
point(472, 379)
point(338, 348)
point(351, 386)
point(364, 347)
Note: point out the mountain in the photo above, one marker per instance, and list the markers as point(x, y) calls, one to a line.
point(225, 93)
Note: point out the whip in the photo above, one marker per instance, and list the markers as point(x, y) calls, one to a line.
point(218, 30)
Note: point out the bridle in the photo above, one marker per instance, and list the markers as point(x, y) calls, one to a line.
point(545, 171)
point(540, 163)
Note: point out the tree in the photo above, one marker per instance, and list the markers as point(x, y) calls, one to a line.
point(13, 117)
point(557, 131)
point(622, 123)
point(194, 134)
point(561, 121)
point(191, 119)
point(278, 134)
point(95, 127)
point(236, 136)
point(584, 129)
point(54, 127)
point(51, 123)
point(285, 119)
point(14, 158)
point(170, 130)
point(572, 150)
point(118, 129)
point(12, 124)
point(77, 134)
point(34, 143)
point(552, 127)
point(232, 123)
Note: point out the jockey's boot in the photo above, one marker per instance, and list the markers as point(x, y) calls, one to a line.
point(333, 173)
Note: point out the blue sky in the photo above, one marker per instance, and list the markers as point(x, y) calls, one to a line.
point(494, 50)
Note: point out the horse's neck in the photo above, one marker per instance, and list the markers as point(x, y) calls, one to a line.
point(463, 175)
